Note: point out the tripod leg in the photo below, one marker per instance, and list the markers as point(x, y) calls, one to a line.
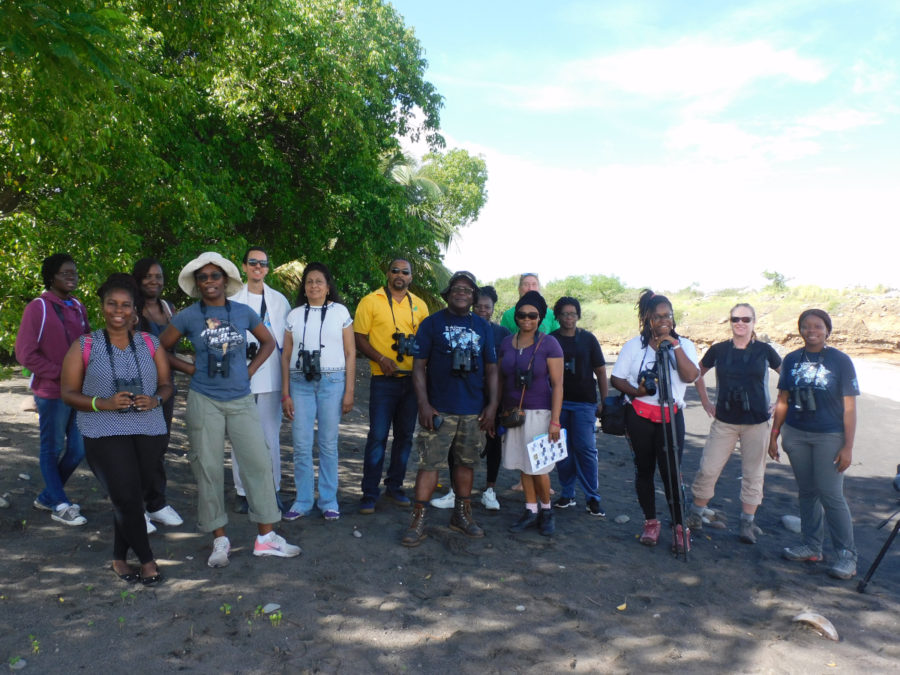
point(887, 544)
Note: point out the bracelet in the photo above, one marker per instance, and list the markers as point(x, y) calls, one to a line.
point(676, 347)
point(94, 404)
point(285, 397)
point(555, 424)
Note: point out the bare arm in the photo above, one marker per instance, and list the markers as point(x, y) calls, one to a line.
point(700, 384)
point(287, 404)
point(781, 408)
point(388, 366)
point(603, 384)
point(426, 411)
point(489, 414)
point(845, 454)
point(555, 370)
point(169, 338)
point(349, 369)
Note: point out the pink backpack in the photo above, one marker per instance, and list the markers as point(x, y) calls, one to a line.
point(89, 345)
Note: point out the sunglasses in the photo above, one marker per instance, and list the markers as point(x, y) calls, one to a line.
point(462, 290)
point(397, 270)
point(739, 319)
point(253, 262)
point(527, 315)
point(203, 277)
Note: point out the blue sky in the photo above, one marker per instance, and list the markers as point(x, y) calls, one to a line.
point(671, 143)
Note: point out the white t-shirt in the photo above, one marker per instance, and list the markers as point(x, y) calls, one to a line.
point(268, 377)
point(634, 358)
point(331, 344)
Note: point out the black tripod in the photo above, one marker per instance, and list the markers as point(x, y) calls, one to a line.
point(887, 544)
point(664, 357)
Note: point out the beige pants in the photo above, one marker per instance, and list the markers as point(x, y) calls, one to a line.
point(721, 442)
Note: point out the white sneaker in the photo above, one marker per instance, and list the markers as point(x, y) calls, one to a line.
point(219, 555)
point(68, 514)
point(272, 544)
point(167, 516)
point(446, 502)
point(151, 528)
point(489, 500)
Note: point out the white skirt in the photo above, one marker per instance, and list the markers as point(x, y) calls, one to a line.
point(515, 454)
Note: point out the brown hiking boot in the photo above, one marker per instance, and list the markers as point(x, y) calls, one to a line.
point(415, 533)
point(462, 520)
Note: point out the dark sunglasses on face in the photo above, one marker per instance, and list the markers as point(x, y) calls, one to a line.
point(202, 277)
point(527, 315)
point(253, 262)
point(397, 270)
point(745, 319)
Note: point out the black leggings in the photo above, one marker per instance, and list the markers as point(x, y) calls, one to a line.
point(646, 440)
point(493, 451)
point(124, 465)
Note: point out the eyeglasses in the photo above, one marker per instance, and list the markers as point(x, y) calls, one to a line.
point(568, 315)
point(662, 317)
point(397, 270)
point(68, 274)
point(527, 315)
point(745, 319)
point(461, 290)
point(203, 277)
point(253, 262)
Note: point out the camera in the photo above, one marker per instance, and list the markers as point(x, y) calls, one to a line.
point(804, 398)
point(252, 350)
point(649, 378)
point(463, 361)
point(569, 365)
point(404, 345)
point(308, 363)
point(131, 386)
point(216, 366)
point(739, 397)
point(523, 377)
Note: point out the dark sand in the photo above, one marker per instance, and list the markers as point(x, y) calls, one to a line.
point(505, 603)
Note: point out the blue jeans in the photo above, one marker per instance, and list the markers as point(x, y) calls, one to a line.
point(316, 401)
point(578, 419)
point(62, 448)
point(392, 402)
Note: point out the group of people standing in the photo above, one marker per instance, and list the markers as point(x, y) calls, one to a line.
point(452, 383)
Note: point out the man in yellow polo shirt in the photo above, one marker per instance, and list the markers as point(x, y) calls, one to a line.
point(385, 326)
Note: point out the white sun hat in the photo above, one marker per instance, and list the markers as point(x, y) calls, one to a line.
point(189, 284)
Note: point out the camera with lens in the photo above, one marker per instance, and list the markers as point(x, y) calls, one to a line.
point(523, 377)
point(463, 361)
point(649, 378)
point(218, 365)
point(569, 365)
point(738, 397)
point(404, 345)
point(804, 398)
point(308, 362)
point(132, 386)
point(252, 350)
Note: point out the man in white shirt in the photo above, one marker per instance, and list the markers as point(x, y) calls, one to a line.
point(265, 384)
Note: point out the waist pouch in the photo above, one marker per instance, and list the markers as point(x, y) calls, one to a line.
point(651, 412)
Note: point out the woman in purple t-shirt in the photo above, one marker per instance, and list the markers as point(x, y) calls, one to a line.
point(533, 360)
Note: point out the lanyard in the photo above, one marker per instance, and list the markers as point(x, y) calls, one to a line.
point(412, 317)
point(227, 309)
point(321, 324)
point(109, 353)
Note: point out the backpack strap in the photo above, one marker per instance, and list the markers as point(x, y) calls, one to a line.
point(43, 318)
point(86, 350)
point(150, 346)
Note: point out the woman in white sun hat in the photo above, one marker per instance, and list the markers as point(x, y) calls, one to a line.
point(220, 402)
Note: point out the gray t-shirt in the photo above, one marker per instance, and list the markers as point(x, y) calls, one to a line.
point(217, 333)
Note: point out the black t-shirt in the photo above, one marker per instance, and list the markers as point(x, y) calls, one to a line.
point(742, 380)
point(581, 351)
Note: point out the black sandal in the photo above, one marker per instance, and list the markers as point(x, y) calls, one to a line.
point(129, 577)
point(155, 579)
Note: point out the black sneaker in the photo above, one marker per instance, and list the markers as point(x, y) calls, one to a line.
point(564, 503)
point(594, 508)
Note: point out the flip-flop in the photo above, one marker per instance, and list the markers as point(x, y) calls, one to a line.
point(129, 577)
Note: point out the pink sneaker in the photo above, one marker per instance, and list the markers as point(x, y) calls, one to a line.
point(274, 545)
point(681, 539)
point(650, 533)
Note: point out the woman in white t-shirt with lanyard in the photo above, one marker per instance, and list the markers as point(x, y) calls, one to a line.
point(635, 375)
point(318, 367)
